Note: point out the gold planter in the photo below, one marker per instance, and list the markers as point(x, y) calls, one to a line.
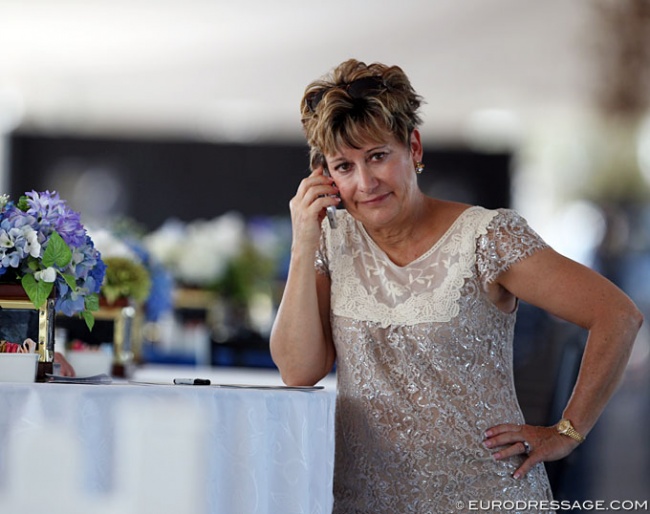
point(39, 326)
point(126, 320)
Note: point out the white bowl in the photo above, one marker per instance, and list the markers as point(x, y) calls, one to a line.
point(18, 367)
point(87, 363)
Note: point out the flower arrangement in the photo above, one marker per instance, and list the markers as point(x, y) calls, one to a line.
point(198, 253)
point(226, 254)
point(160, 300)
point(125, 278)
point(131, 271)
point(45, 248)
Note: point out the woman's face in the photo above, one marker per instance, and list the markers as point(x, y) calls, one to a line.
point(377, 182)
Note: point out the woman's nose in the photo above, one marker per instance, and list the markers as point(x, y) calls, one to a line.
point(367, 180)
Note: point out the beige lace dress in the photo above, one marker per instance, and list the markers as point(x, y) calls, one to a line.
point(424, 367)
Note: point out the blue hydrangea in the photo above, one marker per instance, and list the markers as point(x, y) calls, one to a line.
point(17, 242)
point(54, 214)
point(160, 300)
point(24, 236)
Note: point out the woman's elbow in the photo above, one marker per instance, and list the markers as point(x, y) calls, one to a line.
point(637, 318)
point(301, 377)
point(631, 318)
point(302, 372)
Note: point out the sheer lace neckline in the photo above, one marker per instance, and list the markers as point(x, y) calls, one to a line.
point(432, 248)
point(366, 285)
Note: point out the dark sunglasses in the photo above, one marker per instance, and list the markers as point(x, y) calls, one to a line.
point(359, 88)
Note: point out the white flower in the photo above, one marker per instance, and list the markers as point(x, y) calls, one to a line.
point(6, 240)
point(32, 246)
point(167, 242)
point(111, 246)
point(46, 275)
point(199, 252)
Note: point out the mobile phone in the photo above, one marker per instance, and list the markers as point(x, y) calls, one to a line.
point(330, 210)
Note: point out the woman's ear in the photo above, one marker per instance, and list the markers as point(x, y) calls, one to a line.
point(416, 145)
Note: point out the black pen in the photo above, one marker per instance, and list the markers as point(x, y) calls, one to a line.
point(192, 381)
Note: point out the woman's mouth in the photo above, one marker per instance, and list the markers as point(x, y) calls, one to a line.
point(375, 200)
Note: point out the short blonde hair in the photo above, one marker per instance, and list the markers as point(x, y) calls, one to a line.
point(333, 118)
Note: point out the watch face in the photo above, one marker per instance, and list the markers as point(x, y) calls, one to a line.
point(563, 425)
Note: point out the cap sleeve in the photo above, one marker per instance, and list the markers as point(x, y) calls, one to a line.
point(507, 240)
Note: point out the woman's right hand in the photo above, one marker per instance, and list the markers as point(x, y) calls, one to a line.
point(315, 193)
point(301, 339)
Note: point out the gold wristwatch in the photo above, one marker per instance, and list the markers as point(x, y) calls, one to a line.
point(565, 427)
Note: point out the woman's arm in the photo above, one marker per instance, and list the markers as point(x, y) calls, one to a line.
point(579, 295)
point(301, 338)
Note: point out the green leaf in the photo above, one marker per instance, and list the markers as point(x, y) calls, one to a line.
point(37, 291)
point(70, 280)
point(90, 319)
point(22, 204)
point(33, 264)
point(91, 302)
point(57, 252)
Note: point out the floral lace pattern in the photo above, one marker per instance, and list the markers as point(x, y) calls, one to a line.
point(419, 385)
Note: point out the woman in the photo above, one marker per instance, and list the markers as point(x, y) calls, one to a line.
point(415, 298)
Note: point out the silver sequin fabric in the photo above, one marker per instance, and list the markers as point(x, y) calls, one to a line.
point(424, 367)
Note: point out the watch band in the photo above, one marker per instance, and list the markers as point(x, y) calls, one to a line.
point(565, 427)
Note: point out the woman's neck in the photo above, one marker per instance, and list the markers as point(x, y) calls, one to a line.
point(409, 238)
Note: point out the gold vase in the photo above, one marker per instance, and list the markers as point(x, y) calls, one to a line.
point(14, 298)
point(126, 318)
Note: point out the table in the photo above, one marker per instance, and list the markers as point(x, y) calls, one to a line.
point(166, 448)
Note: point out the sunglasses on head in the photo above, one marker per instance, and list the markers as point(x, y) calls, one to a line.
point(359, 88)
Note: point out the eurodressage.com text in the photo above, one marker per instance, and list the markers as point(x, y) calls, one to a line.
point(557, 505)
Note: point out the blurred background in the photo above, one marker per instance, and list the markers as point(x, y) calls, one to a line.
point(173, 127)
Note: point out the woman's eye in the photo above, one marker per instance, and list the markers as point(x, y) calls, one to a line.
point(343, 167)
point(378, 156)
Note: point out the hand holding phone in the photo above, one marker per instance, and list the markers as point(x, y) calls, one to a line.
point(330, 210)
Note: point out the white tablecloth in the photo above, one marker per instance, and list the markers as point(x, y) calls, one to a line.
point(260, 451)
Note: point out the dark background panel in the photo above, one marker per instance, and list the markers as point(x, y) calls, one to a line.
point(151, 181)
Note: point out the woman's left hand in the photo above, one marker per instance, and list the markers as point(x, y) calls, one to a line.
point(66, 368)
point(538, 444)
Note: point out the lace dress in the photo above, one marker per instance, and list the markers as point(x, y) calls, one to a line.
point(424, 367)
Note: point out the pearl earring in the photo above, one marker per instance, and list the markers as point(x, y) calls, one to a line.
point(419, 167)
